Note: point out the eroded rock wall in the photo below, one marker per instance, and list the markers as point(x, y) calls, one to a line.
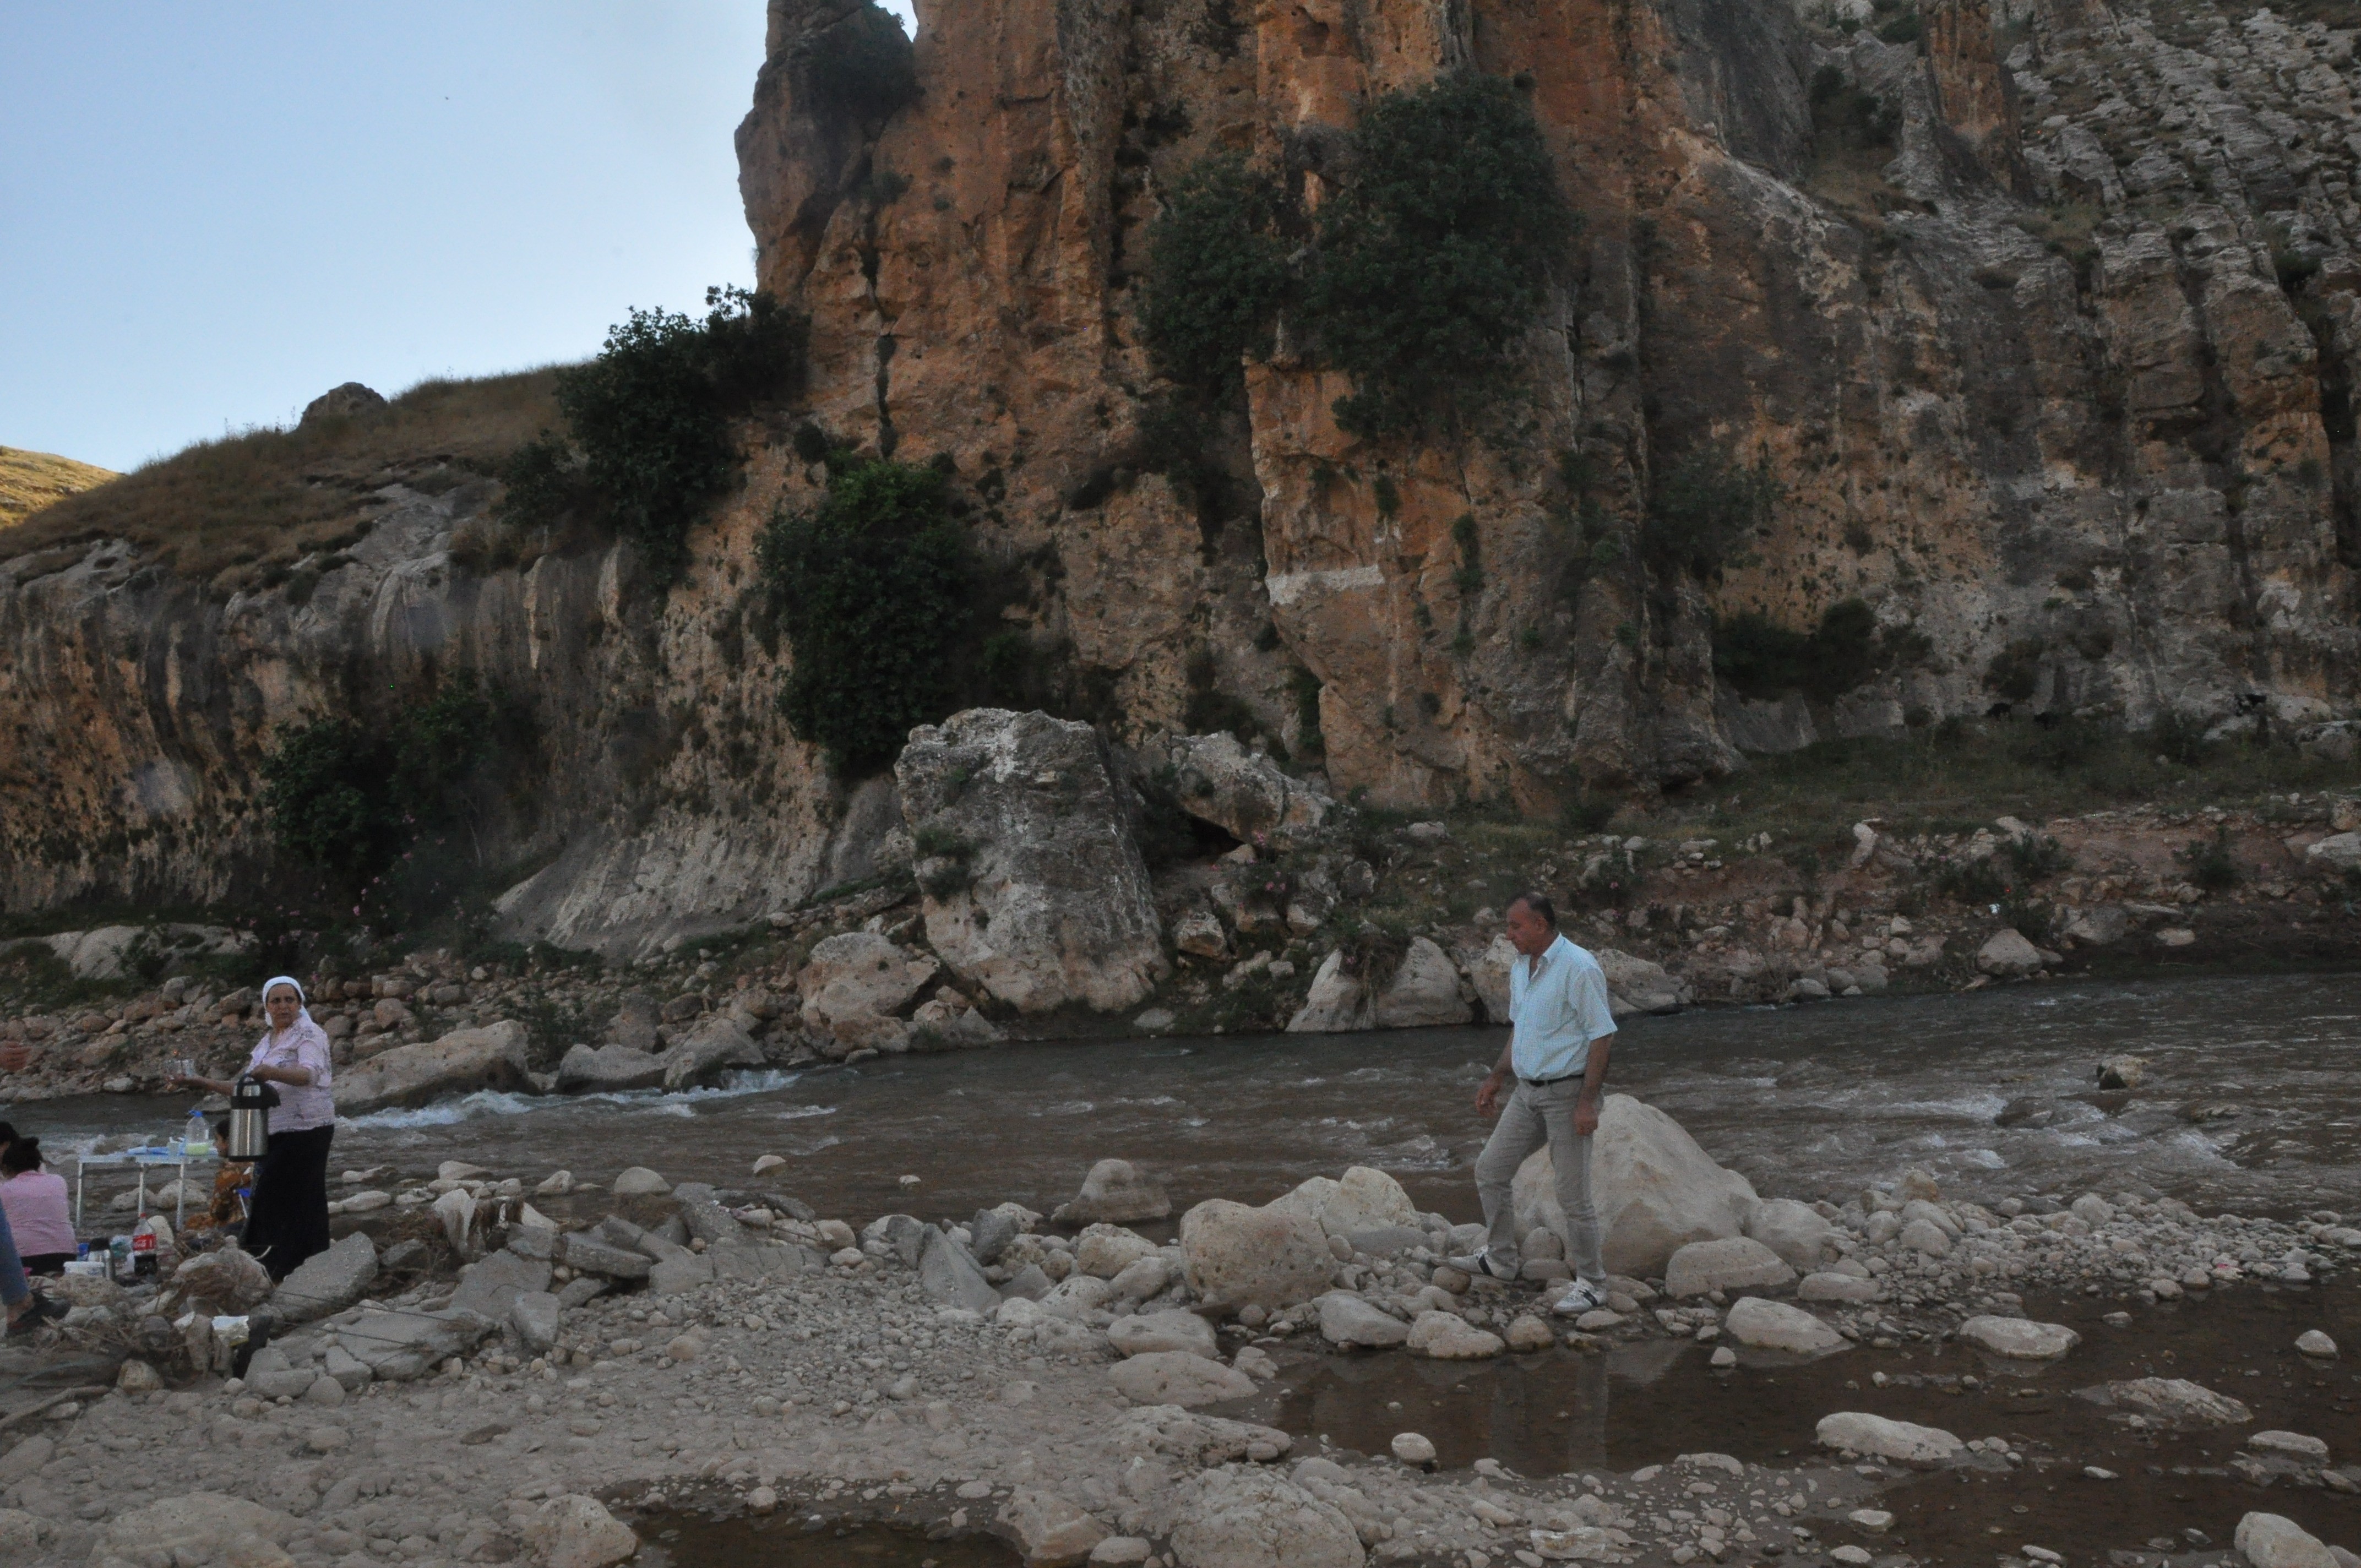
point(2059, 382)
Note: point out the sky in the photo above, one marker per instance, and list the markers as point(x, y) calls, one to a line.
point(210, 215)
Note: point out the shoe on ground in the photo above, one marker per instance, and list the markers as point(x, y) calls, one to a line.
point(1584, 1297)
point(1480, 1262)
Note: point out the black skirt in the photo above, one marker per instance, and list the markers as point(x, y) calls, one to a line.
point(289, 1220)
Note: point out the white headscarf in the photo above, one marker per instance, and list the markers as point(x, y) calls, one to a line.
point(302, 1012)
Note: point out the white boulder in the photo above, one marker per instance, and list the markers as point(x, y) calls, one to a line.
point(1653, 1189)
point(1905, 1443)
point(2019, 1338)
point(1775, 1325)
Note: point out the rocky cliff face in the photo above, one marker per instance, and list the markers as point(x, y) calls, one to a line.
point(2042, 321)
point(2054, 378)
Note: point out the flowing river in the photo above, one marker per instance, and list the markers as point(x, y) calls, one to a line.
point(1807, 1102)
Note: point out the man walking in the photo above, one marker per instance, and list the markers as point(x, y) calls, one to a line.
point(1561, 1034)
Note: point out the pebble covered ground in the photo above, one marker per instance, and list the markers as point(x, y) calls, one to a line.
point(837, 1386)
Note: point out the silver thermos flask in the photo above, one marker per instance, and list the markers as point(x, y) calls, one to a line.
point(249, 1118)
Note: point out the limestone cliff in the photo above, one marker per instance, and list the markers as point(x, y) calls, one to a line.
point(2051, 367)
point(2055, 381)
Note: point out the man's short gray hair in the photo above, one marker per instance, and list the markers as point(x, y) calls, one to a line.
point(1539, 903)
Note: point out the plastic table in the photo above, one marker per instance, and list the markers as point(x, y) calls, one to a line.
point(145, 1159)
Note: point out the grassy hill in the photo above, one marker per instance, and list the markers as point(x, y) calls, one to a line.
point(267, 498)
point(31, 480)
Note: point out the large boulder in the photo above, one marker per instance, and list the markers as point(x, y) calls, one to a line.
point(1336, 1002)
point(719, 1043)
point(1243, 793)
point(1033, 887)
point(2176, 1401)
point(1775, 1325)
point(1655, 1189)
point(2006, 953)
point(1639, 985)
point(395, 1344)
point(1179, 1377)
point(201, 1527)
point(2337, 853)
point(1423, 991)
point(1146, 1333)
point(1487, 971)
point(608, 1069)
point(461, 1062)
point(1905, 1443)
point(326, 1282)
point(1350, 1322)
point(1051, 1531)
point(2274, 1540)
point(1364, 1200)
point(1794, 1231)
point(2019, 1338)
point(857, 978)
point(948, 1273)
point(1237, 1256)
point(1251, 1518)
point(229, 1279)
point(576, 1532)
point(1730, 1263)
point(116, 952)
point(1115, 1193)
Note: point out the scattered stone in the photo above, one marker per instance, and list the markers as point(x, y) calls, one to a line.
point(1413, 1448)
point(1902, 1441)
point(1253, 1519)
point(1794, 1231)
point(1924, 1237)
point(2290, 1442)
point(2174, 1400)
point(1348, 1321)
point(1236, 1255)
point(1115, 1193)
point(1528, 1333)
point(948, 1273)
point(1178, 1377)
point(1051, 1531)
point(1148, 1333)
point(1446, 1336)
point(638, 1181)
point(1423, 991)
point(1732, 1262)
point(2019, 1338)
point(201, 1527)
point(1775, 1325)
point(1828, 1286)
point(2312, 1342)
point(326, 1282)
point(575, 1531)
point(2124, 1072)
point(608, 1069)
point(2272, 1541)
point(2006, 953)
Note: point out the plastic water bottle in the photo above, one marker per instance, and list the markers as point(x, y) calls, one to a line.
point(197, 1139)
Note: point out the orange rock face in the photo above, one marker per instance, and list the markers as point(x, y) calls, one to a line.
point(1964, 426)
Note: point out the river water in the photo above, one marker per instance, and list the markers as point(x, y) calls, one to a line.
point(1807, 1102)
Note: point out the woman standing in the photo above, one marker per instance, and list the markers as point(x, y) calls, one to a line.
point(288, 1219)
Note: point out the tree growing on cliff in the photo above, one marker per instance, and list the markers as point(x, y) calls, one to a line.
point(1425, 264)
point(874, 589)
point(651, 413)
point(350, 798)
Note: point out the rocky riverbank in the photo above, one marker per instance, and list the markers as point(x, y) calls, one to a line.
point(515, 1364)
point(1330, 919)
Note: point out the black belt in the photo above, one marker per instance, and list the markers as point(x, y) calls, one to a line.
point(1545, 1082)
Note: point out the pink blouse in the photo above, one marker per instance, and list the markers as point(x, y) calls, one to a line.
point(303, 1043)
point(39, 1214)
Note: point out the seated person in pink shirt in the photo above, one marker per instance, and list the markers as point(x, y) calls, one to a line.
point(39, 1209)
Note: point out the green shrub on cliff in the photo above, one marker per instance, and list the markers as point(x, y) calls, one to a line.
point(349, 798)
point(1428, 260)
point(1434, 257)
point(1217, 272)
point(873, 589)
point(651, 413)
point(1701, 510)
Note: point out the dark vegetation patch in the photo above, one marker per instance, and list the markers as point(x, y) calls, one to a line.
point(1415, 277)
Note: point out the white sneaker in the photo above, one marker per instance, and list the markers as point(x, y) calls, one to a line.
point(1584, 1297)
point(1480, 1262)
